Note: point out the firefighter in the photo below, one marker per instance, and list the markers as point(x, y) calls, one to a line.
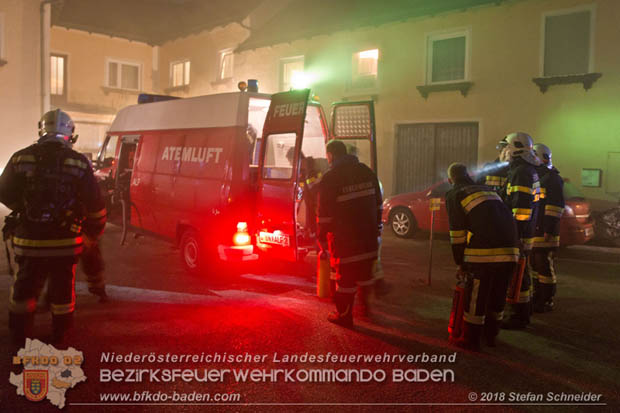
point(485, 248)
point(52, 191)
point(547, 239)
point(349, 216)
point(522, 194)
point(494, 174)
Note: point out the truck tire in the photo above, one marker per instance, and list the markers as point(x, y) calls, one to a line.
point(403, 222)
point(192, 251)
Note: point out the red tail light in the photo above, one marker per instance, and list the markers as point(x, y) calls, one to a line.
point(242, 237)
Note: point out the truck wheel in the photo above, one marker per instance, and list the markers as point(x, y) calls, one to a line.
point(403, 223)
point(192, 251)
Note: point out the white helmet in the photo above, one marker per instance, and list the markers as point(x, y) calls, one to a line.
point(57, 124)
point(521, 145)
point(544, 154)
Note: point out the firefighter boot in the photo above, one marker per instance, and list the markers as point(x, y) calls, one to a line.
point(470, 340)
point(99, 291)
point(549, 303)
point(344, 310)
point(539, 299)
point(381, 287)
point(20, 326)
point(520, 317)
point(491, 330)
point(62, 324)
point(364, 295)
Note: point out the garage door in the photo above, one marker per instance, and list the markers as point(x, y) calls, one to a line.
point(425, 150)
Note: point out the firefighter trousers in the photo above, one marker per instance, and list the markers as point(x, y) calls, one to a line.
point(30, 278)
point(485, 292)
point(92, 265)
point(349, 277)
point(543, 275)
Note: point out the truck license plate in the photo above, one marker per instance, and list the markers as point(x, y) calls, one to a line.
point(274, 238)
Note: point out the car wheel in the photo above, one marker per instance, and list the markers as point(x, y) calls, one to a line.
point(403, 223)
point(192, 251)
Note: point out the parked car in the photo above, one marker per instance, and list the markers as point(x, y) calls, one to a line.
point(406, 213)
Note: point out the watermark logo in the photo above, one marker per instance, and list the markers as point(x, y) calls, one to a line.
point(48, 372)
point(35, 384)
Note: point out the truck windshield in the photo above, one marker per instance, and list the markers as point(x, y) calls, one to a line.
point(108, 149)
point(313, 145)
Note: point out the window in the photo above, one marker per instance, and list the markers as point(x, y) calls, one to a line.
point(447, 57)
point(123, 75)
point(291, 73)
point(58, 75)
point(225, 68)
point(567, 42)
point(179, 73)
point(365, 67)
point(278, 162)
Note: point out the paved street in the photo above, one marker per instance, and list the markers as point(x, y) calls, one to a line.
point(273, 313)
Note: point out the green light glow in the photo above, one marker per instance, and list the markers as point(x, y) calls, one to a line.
point(301, 79)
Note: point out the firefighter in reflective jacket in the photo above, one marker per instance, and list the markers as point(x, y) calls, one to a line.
point(53, 190)
point(494, 174)
point(547, 239)
point(349, 215)
point(522, 196)
point(485, 247)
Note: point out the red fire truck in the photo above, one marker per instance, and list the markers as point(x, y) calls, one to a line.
point(221, 175)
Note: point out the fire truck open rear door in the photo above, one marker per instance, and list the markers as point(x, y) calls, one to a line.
point(278, 175)
point(354, 124)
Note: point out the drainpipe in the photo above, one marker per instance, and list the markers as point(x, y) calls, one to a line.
point(46, 22)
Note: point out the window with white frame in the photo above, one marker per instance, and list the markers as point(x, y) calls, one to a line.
point(291, 73)
point(447, 57)
point(58, 75)
point(179, 73)
point(123, 75)
point(365, 69)
point(225, 67)
point(567, 42)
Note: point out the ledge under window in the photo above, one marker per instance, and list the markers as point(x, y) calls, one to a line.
point(462, 87)
point(107, 89)
point(3, 62)
point(587, 79)
point(173, 89)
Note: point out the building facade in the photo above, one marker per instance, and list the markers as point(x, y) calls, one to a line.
point(447, 86)
point(20, 74)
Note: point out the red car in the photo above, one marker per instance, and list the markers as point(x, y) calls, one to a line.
point(408, 212)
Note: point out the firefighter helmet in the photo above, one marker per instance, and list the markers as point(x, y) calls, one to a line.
point(57, 124)
point(544, 154)
point(521, 145)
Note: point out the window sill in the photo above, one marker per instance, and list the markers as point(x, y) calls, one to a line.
point(462, 87)
point(107, 89)
point(172, 89)
point(587, 79)
point(3, 62)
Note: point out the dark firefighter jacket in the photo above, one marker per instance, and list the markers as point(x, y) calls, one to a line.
point(550, 208)
point(522, 196)
point(482, 229)
point(349, 209)
point(61, 183)
point(494, 175)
